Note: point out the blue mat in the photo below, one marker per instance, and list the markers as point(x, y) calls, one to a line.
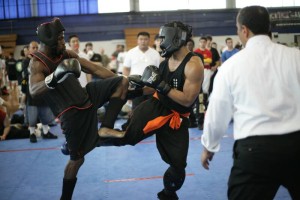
point(35, 171)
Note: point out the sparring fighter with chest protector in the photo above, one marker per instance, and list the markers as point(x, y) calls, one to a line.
point(176, 84)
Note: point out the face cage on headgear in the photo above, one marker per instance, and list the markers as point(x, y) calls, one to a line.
point(172, 39)
point(48, 32)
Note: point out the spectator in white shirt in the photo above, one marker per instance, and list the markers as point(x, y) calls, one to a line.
point(138, 58)
point(74, 44)
point(120, 61)
point(259, 87)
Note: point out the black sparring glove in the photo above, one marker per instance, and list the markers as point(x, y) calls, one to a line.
point(152, 78)
point(163, 88)
point(66, 68)
point(135, 86)
point(135, 82)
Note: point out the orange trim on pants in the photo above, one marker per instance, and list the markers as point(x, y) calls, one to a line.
point(158, 122)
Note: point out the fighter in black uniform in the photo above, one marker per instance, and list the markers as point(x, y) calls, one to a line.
point(177, 84)
point(53, 77)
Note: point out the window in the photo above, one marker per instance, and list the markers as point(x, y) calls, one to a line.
point(15, 9)
point(66, 7)
point(12, 9)
point(113, 6)
point(160, 5)
point(268, 3)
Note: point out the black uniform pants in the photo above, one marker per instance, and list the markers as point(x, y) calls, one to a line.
point(264, 163)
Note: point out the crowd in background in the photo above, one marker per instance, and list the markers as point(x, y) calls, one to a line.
point(14, 75)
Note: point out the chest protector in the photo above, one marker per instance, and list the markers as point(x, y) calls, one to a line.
point(67, 94)
point(176, 80)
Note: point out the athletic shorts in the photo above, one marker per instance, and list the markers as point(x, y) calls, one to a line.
point(81, 126)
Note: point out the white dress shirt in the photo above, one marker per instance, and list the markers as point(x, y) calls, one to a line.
point(260, 88)
point(83, 79)
point(137, 60)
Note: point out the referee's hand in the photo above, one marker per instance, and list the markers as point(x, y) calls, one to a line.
point(206, 157)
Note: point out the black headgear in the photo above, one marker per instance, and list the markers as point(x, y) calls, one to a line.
point(173, 37)
point(48, 32)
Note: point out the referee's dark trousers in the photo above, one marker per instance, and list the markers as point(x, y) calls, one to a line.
point(262, 164)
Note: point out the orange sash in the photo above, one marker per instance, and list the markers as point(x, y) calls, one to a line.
point(158, 122)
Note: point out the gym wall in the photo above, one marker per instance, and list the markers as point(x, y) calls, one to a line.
point(107, 30)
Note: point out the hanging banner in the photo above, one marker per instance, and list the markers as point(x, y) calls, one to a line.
point(285, 18)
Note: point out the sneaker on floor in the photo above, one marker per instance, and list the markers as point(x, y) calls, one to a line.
point(49, 135)
point(32, 138)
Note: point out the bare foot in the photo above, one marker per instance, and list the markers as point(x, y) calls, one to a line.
point(110, 133)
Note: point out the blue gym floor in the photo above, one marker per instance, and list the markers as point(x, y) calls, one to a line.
point(35, 171)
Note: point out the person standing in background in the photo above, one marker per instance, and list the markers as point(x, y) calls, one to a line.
point(115, 64)
point(2, 74)
point(215, 54)
point(208, 72)
point(119, 48)
point(74, 44)
point(230, 50)
point(36, 109)
point(120, 60)
point(11, 71)
point(156, 46)
point(105, 59)
point(94, 57)
point(214, 64)
point(198, 108)
point(138, 58)
point(23, 54)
